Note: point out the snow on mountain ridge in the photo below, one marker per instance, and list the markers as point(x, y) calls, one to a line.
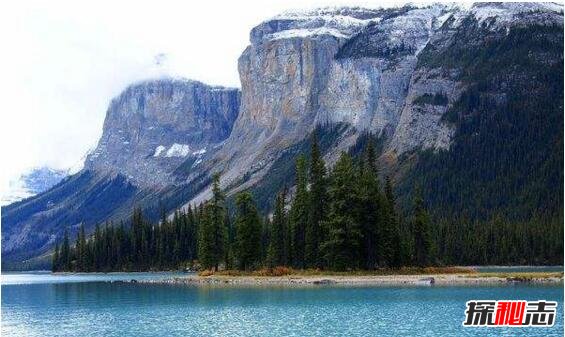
point(506, 12)
point(345, 22)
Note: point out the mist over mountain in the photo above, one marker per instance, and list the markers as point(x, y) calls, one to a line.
point(34, 181)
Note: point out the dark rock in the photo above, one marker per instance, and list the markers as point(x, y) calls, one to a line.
point(324, 281)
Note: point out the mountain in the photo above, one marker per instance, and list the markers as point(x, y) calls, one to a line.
point(466, 103)
point(149, 131)
point(391, 72)
point(35, 181)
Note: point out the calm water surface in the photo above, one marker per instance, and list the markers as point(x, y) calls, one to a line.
point(84, 305)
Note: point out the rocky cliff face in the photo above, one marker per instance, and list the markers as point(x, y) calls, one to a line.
point(356, 66)
point(302, 69)
point(153, 127)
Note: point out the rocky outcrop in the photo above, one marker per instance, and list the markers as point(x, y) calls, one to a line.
point(328, 66)
point(154, 126)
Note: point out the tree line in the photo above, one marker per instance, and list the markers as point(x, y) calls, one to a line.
point(341, 219)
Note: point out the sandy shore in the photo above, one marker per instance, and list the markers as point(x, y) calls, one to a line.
point(370, 280)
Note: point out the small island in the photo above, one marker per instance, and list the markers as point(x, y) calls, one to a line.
point(285, 277)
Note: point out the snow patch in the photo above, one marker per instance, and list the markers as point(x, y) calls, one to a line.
point(178, 150)
point(333, 22)
point(158, 150)
point(196, 163)
point(199, 152)
point(506, 12)
point(302, 33)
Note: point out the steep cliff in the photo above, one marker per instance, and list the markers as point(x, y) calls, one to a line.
point(153, 127)
point(360, 67)
point(151, 130)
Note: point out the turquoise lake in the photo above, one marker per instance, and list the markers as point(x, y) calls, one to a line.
point(42, 304)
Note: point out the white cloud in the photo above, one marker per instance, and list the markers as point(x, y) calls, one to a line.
point(62, 62)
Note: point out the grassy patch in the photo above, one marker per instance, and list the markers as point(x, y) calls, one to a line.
point(286, 271)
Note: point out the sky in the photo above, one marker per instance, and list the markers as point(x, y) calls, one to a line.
point(63, 61)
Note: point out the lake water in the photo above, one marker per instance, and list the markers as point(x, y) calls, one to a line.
point(42, 304)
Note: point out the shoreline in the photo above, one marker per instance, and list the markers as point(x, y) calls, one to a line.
point(369, 280)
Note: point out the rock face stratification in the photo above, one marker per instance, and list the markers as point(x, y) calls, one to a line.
point(352, 66)
point(154, 126)
point(356, 66)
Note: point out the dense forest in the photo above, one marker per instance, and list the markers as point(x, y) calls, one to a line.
point(344, 219)
point(506, 158)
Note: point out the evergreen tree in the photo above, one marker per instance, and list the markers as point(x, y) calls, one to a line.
point(55, 262)
point(422, 235)
point(192, 234)
point(276, 253)
point(265, 238)
point(299, 215)
point(314, 233)
point(211, 247)
point(206, 250)
point(137, 236)
point(66, 252)
point(218, 220)
point(81, 250)
point(230, 237)
point(343, 243)
point(248, 232)
point(400, 254)
point(368, 209)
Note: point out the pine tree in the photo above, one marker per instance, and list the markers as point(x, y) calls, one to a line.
point(342, 246)
point(400, 253)
point(192, 234)
point(66, 253)
point(265, 238)
point(206, 252)
point(137, 236)
point(248, 232)
point(218, 220)
point(368, 208)
point(55, 262)
point(229, 239)
point(299, 215)
point(213, 229)
point(276, 253)
point(314, 233)
point(422, 235)
point(81, 249)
